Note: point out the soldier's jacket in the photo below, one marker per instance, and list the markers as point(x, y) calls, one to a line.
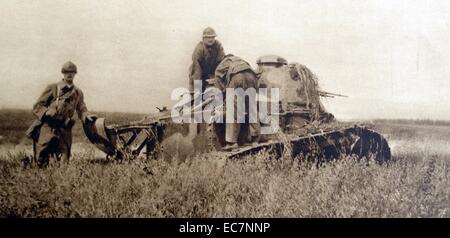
point(65, 100)
point(204, 61)
point(234, 72)
point(230, 66)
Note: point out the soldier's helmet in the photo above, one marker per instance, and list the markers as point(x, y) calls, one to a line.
point(69, 67)
point(209, 32)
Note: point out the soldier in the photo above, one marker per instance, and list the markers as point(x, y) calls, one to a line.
point(52, 130)
point(207, 55)
point(233, 72)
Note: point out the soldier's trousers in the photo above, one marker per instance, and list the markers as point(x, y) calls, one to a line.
point(244, 80)
point(52, 142)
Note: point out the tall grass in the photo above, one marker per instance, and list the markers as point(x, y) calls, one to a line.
point(414, 184)
point(211, 186)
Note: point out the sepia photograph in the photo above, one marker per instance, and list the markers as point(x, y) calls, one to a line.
point(224, 109)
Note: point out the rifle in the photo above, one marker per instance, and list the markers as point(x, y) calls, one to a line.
point(330, 95)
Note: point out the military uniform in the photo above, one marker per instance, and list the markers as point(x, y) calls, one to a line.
point(234, 72)
point(205, 60)
point(52, 135)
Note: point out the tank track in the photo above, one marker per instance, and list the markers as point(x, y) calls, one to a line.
point(329, 142)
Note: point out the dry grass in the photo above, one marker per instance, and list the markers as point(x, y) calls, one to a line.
point(414, 184)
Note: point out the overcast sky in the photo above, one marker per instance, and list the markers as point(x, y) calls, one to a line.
point(391, 57)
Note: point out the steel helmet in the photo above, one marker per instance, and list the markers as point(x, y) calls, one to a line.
point(209, 32)
point(69, 67)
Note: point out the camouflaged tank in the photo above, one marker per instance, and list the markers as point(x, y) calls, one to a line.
point(305, 128)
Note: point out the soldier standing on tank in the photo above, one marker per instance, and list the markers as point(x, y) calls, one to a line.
point(207, 55)
point(54, 110)
point(234, 72)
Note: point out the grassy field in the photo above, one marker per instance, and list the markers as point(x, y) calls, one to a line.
point(414, 184)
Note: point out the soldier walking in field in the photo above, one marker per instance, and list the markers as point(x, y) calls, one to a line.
point(54, 110)
point(235, 73)
point(207, 55)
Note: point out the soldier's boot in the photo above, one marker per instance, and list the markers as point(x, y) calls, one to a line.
point(29, 160)
point(252, 141)
point(42, 161)
point(42, 157)
point(254, 135)
point(64, 154)
point(255, 140)
point(231, 136)
point(230, 146)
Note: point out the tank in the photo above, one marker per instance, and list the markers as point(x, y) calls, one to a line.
point(305, 128)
